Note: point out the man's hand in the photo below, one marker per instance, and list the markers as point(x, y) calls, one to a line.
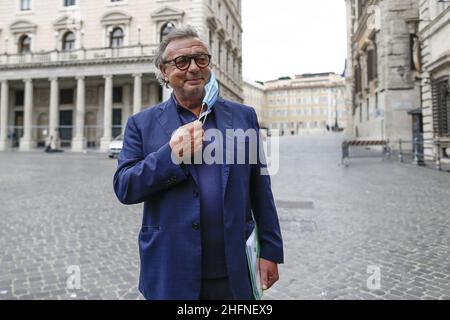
point(268, 271)
point(187, 141)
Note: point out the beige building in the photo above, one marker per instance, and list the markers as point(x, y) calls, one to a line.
point(74, 70)
point(255, 96)
point(382, 72)
point(306, 104)
point(434, 35)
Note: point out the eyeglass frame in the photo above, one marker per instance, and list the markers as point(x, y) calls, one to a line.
point(192, 56)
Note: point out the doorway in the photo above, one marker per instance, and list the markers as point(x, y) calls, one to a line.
point(18, 128)
point(65, 127)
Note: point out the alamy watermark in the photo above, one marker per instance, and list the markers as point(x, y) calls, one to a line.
point(374, 281)
point(73, 282)
point(237, 147)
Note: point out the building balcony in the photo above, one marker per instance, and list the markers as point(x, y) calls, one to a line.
point(79, 56)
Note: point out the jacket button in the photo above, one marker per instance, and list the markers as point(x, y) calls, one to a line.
point(195, 226)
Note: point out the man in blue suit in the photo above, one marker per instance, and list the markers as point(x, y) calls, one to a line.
point(197, 217)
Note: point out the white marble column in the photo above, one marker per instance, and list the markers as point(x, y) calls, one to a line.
point(4, 115)
point(137, 93)
point(53, 127)
point(107, 115)
point(126, 105)
point(27, 142)
point(79, 141)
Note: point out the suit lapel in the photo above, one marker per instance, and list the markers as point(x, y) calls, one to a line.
point(168, 117)
point(170, 120)
point(224, 121)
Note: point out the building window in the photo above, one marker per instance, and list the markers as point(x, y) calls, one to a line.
point(68, 42)
point(226, 63)
point(69, 3)
point(116, 38)
point(360, 112)
point(440, 94)
point(357, 77)
point(117, 95)
point(24, 44)
point(372, 64)
point(219, 53)
point(18, 99)
point(66, 96)
point(211, 41)
point(368, 109)
point(166, 29)
point(25, 5)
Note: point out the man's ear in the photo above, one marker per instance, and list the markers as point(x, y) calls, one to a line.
point(165, 77)
point(163, 70)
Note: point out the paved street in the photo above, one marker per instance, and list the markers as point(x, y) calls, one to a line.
point(59, 210)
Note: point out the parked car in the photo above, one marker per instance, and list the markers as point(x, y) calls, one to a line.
point(115, 146)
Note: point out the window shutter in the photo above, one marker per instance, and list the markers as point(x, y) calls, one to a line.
point(441, 106)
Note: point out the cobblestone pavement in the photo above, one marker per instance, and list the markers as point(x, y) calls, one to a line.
point(59, 210)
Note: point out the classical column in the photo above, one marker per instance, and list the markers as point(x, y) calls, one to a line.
point(53, 127)
point(27, 142)
point(126, 105)
point(79, 141)
point(4, 115)
point(137, 90)
point(107, 115)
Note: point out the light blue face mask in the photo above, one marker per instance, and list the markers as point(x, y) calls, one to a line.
point(211, 95)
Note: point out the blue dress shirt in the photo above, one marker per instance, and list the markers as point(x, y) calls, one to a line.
point(211, 208)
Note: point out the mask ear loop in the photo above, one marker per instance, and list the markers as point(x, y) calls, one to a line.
point(204, 119)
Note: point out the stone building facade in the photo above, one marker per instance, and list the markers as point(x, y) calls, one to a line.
point(73, 71)
point(255, 96)
point(434, 35)
point(383, 77)
point(306, 104)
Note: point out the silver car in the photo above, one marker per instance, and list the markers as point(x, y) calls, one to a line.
point(115, 146)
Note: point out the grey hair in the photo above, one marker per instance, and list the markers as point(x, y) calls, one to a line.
point(160, 54)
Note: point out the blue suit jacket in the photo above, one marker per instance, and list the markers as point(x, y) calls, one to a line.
point(169, 240)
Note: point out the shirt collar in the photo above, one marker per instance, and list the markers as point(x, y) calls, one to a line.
point(180, 108)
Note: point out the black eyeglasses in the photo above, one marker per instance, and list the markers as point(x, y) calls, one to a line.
point(183, 63)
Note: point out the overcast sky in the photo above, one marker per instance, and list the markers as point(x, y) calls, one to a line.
point(289, 37)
